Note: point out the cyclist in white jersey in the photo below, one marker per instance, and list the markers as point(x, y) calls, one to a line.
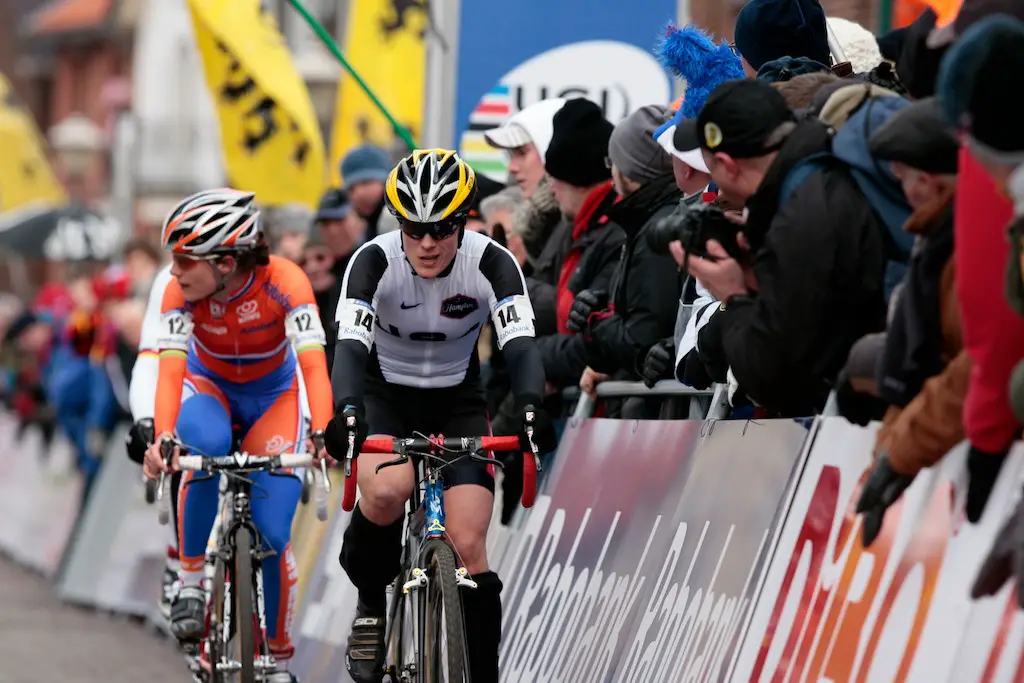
point(142, 402)
point(411, 308)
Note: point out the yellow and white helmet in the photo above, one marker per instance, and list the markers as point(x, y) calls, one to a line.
point(430, 186)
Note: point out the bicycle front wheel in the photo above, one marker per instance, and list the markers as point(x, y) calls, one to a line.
point(242, 587)
point(443, 647)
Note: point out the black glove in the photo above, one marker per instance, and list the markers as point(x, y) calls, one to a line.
point(140, 437)
point(857, 408)
point(660, 362)
point(532, 414)
point(586, 302)
point(1005, 561)
point(883, 487)
point(983, 471)
point(336, 434)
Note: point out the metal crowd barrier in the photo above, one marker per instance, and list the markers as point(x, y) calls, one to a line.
point(699, 406)
point(703, 403)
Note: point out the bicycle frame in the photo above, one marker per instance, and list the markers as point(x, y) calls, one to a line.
point(433, 506)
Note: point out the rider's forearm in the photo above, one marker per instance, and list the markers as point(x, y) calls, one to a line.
point(142, 389)
point(348, 373)
point(526, 369)
point(168, 391)
point(318, 386)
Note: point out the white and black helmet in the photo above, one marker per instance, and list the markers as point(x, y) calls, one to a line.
point(430, 186)
point(213, 222)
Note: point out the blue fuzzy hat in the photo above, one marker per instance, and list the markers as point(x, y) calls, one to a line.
point(691, 54)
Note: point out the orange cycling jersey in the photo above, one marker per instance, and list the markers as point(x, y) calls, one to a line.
point(256, 332)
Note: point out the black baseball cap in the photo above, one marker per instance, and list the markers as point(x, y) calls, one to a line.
point(737, 119)
point(334, 205)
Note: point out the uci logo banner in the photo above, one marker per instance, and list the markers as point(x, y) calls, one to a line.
point(25, 173)
point(269, 132)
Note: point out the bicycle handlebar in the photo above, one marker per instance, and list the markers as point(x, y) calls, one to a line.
point(466, 445)
point(463, 444)
point(241, 462)
point(244, 462)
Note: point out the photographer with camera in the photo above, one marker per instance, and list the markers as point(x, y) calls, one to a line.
point(671, 356)
point(801, 279)
point(620, 326)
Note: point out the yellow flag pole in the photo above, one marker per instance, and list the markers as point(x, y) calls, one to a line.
point(318, 28)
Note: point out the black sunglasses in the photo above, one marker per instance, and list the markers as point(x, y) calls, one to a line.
point(438, 230)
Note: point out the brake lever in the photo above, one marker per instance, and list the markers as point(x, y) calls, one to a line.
point(530, 416)
point(350, 422)
point(400, 460)
point(318, 445)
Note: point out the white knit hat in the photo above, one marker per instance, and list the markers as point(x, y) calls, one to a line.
point(858, 44)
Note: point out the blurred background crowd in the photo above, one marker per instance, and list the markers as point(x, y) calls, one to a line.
point(856, 185)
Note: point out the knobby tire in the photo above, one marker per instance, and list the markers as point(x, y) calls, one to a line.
point(242, 586)
point(443, 606)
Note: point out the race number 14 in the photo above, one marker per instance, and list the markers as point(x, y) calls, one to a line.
point(508, 315)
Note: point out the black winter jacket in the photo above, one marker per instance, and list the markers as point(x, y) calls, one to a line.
point(646, 285)
point(819, 260)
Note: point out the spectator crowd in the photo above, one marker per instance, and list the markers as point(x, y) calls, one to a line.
point(818, 224)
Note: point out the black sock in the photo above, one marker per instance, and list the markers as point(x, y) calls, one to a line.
point(481, 608)
point(371, 555)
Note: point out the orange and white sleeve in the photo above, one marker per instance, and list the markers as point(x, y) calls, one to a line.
point(172, 343)
point(306, 333)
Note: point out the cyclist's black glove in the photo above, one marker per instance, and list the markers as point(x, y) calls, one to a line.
point(1005, 561)
point(660, 362)
point(140, 437)
point(983, 471)
point(586, 303)
point(336, 434)
point(544, 437)
point(883, 487)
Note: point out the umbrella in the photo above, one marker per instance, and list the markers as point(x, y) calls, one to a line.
point(71, 233)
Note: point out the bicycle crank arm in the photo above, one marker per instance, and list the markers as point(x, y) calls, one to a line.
point(418, 580)
point(460, 578)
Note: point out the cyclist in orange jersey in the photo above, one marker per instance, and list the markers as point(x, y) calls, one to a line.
point(236, 326)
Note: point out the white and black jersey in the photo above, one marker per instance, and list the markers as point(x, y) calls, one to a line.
point(422, 333)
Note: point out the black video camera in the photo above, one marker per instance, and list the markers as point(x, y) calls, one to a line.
point(693, 228)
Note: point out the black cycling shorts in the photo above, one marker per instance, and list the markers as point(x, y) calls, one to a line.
point(398, 411)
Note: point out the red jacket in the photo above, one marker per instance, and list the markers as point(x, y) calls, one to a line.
point(993, 334)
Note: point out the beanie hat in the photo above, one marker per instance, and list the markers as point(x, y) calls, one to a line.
point(365, 163)
point(769, 29)
point(787, 68)
point(858, 44)
point(691, 54)
point(633, 148)
point(579, 144)
point(977, 74)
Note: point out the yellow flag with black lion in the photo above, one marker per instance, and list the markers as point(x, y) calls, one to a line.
point(269, 132)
